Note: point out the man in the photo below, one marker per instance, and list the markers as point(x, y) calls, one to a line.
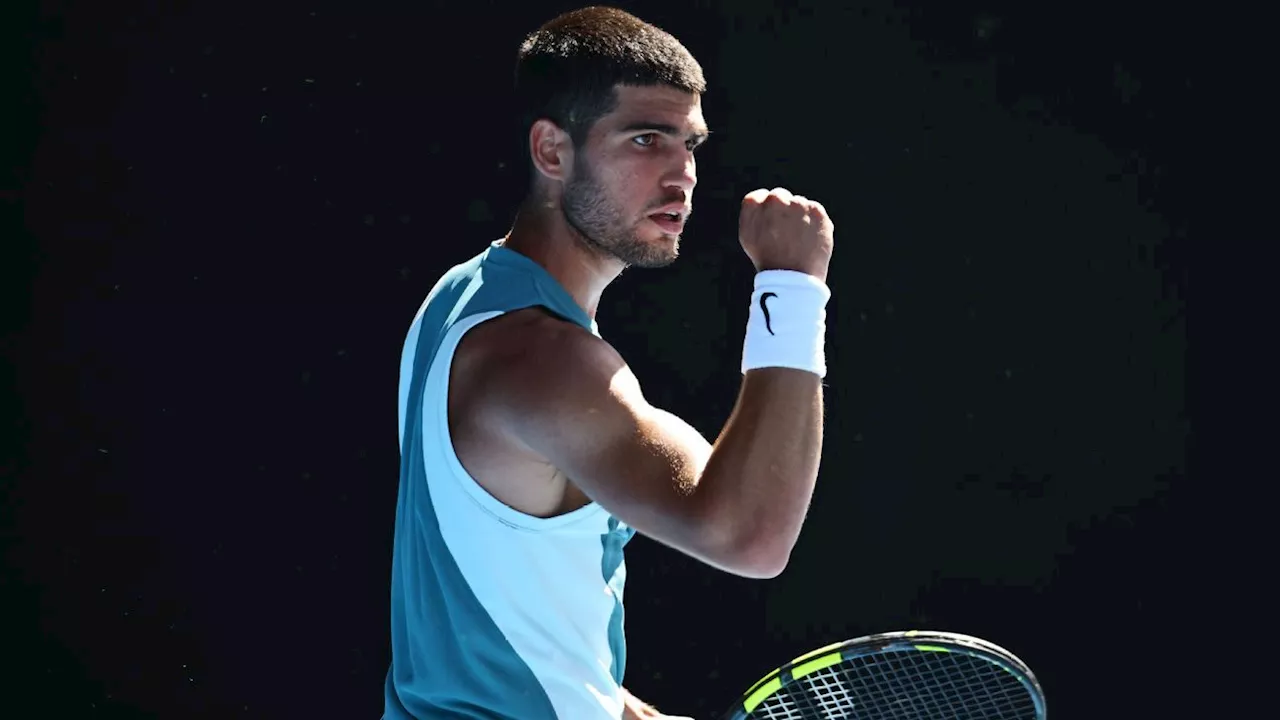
point(529, 455)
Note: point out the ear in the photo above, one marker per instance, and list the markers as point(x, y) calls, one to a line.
point(550, 149)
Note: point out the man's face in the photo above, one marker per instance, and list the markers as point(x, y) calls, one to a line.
point(637, 161)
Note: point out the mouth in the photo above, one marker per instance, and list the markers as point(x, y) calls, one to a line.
point(670, 222)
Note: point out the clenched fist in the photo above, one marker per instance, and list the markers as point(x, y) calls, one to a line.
point(781, 231)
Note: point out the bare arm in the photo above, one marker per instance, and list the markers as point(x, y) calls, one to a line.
point(737, 506)
point(762, 472)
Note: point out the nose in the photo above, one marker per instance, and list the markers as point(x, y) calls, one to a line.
point(686, 177)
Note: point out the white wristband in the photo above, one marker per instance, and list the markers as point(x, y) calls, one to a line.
point(787, 323)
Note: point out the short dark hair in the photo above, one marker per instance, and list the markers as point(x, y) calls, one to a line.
point(567, 69)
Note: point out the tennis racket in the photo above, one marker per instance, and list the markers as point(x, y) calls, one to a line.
point(912, 675)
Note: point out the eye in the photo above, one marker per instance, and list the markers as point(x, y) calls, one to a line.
point(646, 140)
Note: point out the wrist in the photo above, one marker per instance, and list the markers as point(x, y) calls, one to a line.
point(818, 272)
point(786, 325)
point(792, 278)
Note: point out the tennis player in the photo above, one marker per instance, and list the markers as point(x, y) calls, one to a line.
point(529, 454)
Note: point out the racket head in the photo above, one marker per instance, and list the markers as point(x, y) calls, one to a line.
point(914, 674)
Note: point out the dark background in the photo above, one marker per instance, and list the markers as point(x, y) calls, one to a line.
point(231, 212)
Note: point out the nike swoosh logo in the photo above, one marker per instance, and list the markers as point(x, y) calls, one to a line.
point(765, 308)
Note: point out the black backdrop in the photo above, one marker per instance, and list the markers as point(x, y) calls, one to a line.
point(233, 211)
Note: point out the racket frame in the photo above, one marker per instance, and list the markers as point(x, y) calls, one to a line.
point(920, 640)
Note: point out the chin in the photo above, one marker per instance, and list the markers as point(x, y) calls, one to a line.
point(647, 248)
point(662, 236)
point(665, 256)
point(657, 253)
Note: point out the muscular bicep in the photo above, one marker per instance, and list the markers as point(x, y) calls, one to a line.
point(579, 406)
point(644, 441)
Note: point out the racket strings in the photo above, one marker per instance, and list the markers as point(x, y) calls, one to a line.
point(903, 685)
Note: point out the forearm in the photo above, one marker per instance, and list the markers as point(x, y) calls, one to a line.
point(759, 479)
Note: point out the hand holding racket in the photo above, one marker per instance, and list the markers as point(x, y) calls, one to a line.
point(635, 709)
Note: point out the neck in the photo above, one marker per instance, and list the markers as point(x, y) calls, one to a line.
point(542, 234)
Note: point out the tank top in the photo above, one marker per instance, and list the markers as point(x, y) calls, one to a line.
point(495, 614)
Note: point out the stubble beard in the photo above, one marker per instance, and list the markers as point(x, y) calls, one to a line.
point(599, 224)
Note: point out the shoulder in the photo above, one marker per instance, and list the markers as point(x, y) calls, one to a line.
point(529, 364)
point(532, 340)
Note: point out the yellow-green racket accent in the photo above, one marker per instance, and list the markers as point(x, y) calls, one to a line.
point(800, 671)
point(768, 688)
point(758, 689)
point(771, 683)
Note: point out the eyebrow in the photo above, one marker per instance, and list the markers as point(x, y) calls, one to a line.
point(698, 136)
